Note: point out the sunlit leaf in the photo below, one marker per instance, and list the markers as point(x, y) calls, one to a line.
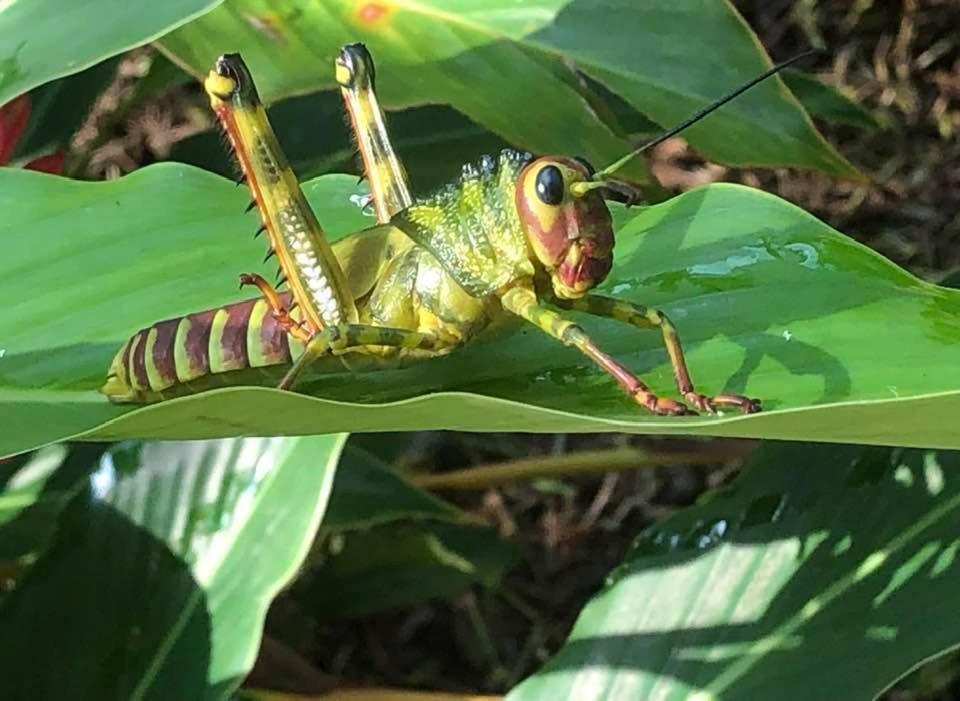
point(36, 489)
point(162, 569)
point(839, 343)
point(839, 553)
point(506, 66)
point(40, 41)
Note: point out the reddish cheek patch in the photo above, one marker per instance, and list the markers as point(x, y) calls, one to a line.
point(372, 12)
point(554, 240)
point(551, 236)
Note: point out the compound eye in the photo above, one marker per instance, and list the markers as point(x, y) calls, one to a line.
point(550, 185)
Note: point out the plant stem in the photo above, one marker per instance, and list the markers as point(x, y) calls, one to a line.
point(371, 694)
point(586, 462)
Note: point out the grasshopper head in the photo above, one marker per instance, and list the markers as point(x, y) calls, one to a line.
point(561, 205)
point(230, 82)
point(568, 229)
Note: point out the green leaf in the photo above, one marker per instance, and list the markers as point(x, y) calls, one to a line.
point(506, 66)
point(816, 552)
point(839, 343)
point(653, 55)
point(36, 489)
point(390, 447)
point(404, 564)
point(172, 556)
point(369, 493)
point(24, 478)
point(391, 544)
point(432, 73)
point(824, 101)
point(40, 41)
point(952, 280)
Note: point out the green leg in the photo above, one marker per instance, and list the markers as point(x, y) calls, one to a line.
point(523, 302)
point(644, 317)
point(335, 339)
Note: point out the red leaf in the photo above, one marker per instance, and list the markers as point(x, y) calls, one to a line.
point(13, 119)
point(51, 163)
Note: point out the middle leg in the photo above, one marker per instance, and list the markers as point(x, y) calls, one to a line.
point(336, 339)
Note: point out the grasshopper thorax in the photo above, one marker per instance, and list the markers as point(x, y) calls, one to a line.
point(568, 231)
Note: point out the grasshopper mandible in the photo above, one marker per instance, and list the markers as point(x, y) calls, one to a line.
point(515, 236)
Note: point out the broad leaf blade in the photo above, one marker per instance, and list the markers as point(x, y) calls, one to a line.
point(404, 564)
point(843, 553)
point(173, 557)
point(839, 343)
point(505, 65)
point(40, 41)
point(291, 53)
point(824, 101)
point(370, 494)
point(391, 544)
point(652, 55)
point(36, 489)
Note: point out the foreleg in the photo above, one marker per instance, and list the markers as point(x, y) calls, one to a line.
point(645, 317)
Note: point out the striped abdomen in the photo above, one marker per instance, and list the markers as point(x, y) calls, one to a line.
point(162, 360)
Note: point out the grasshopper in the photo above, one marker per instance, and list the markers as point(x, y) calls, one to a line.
point(514, 237)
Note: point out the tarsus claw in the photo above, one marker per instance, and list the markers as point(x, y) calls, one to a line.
point(701, 403)
point(662, 406)
point(711, 404)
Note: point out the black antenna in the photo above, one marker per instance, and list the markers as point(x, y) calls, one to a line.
point(701, 113)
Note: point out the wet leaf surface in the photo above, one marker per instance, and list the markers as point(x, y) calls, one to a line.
point(839, 343)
